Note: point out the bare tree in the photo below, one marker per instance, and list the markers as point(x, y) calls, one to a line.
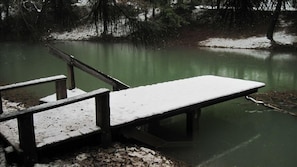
point(274, 19)
point(100, 12)
point(6, 5)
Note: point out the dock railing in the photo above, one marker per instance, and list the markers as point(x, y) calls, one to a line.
point(26, 123)
point(60, 82)
point(73, 62)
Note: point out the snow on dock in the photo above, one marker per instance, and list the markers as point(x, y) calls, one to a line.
point(145, 101)
point(129, 105)
point(57, 124)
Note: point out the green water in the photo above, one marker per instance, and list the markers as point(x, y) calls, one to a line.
point(235, 133)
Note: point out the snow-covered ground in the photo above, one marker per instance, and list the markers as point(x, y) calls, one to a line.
point(255, 42)
point(80, 33)
point(82, 3)
point(89, 31)
point(11, 106)
point(121, 29)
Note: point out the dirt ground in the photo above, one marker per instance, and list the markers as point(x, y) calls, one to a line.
point(116, 155)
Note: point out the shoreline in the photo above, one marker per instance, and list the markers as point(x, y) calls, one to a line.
point(196, 37)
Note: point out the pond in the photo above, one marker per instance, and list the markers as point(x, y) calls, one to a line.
point(234, 133)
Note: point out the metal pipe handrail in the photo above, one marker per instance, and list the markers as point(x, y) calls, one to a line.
point(73, 62)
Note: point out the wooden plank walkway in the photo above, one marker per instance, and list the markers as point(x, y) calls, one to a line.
point(131, 107)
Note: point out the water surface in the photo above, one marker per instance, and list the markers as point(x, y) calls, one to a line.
point(234, 133)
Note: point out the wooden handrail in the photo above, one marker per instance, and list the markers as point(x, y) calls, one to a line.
point(60, 82)
point(51, 105)
point(71, 61)
point(25, 120)
point(32, 82)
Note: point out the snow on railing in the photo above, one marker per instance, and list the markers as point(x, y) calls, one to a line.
point(60, 81)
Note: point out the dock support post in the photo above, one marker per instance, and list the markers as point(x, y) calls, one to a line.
point(1, 108)
point(61, 90)
point(103, 117)
point(198, 115)
point(27, 138)
point(70, 70)
point(191, 120)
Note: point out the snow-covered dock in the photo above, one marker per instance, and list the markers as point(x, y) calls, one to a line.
point(134, 106)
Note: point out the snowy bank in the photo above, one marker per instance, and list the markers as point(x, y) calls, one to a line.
point(249, 43)
point(79, 33)
point(12, 106)
point(89, 31)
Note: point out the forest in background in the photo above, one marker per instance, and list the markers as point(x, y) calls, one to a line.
point(161, 19)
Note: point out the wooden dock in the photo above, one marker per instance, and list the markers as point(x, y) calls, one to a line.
point(132, 105)
point(73, 113)
point(128, 108)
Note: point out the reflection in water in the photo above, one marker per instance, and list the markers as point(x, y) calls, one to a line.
point(230, 151)
point(223, 127)
point(139, 66)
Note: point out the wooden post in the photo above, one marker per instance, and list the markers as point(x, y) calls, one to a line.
point(61, 90)
point(103, 117)
point(71, 76)
point(115, 88)
point(1, 109)
point(27, 137)
point(153, 126)
point(198, 113)
point(191, 120)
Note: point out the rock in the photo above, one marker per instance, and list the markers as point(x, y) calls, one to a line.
point(81, 157)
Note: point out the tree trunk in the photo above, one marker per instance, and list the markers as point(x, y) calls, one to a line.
point(41, 15)
point(105, 16)
point(218, 4)
point(6, 4)
point(273, 22)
